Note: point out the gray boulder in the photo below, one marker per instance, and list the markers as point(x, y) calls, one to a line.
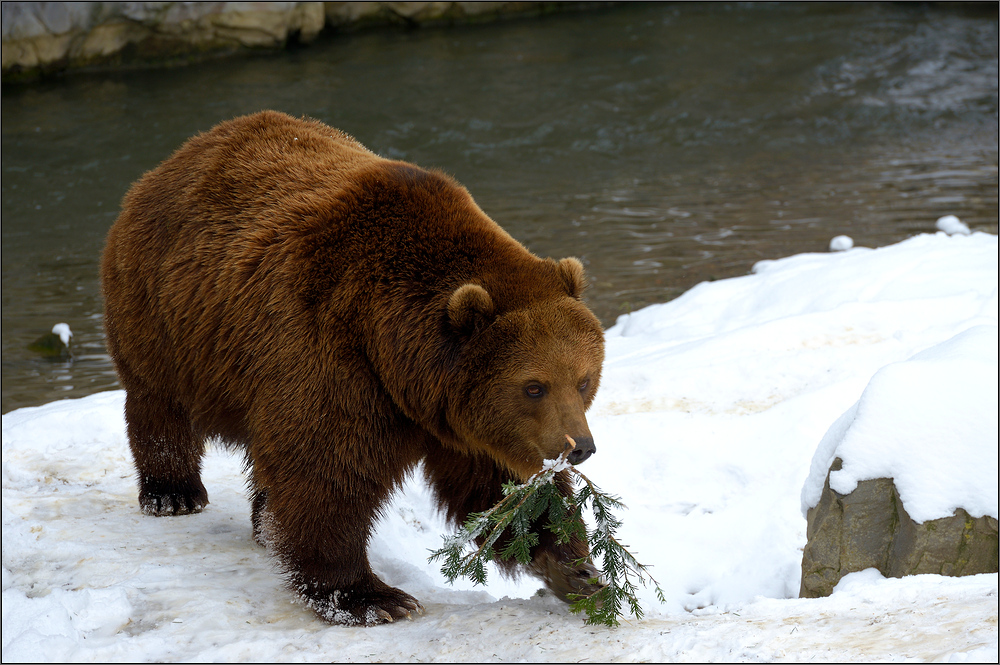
point(870, 528)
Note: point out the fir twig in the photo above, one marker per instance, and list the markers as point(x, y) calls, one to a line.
point(523, 505)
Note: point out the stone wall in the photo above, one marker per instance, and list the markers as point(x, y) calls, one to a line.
point(47, 37)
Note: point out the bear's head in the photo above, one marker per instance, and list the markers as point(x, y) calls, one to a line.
point(527, 373)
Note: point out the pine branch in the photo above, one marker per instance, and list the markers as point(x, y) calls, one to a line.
point(521, 507)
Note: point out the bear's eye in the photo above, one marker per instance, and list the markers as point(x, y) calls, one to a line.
point(584, 384)
point(534, 390)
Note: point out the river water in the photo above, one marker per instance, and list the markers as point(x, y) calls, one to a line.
point(662, 144)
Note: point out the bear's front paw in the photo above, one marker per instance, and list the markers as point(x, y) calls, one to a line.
point(350, 607)
point(567, 581)
point(172, 503)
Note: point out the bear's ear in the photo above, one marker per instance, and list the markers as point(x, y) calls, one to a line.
point(470, 309)
point(571, 271)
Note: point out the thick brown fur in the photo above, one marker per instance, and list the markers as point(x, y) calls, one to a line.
point(339, 317)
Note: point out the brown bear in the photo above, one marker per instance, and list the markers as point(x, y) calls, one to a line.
point(340, 317)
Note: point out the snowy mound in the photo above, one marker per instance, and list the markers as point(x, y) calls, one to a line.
point(930, 424)
point(799, 324)
point(952, 225)
point(709, 414)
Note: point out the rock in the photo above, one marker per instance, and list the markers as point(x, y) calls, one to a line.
point(905, 480)
point(41, 37)
point(361, 14)
point(50, 36)
point(870, 528)
point(55, 344)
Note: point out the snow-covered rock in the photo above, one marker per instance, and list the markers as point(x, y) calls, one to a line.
point(911, 471)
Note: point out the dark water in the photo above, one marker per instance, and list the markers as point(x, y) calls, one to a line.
point(663, 144)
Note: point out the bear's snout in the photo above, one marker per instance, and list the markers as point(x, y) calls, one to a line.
point(584, 449)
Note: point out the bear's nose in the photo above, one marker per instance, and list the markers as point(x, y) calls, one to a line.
point(584, 448)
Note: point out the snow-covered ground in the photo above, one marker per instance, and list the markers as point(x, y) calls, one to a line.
point(710, 413)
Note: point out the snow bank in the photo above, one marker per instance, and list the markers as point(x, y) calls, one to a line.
point(929, 423)
point(709, 414)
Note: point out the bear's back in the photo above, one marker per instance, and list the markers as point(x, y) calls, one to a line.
point(267, 167)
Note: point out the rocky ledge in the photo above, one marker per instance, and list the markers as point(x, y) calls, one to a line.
point(47, 37)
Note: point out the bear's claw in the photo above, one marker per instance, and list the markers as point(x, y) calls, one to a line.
point(170, 504)
point(158, 496)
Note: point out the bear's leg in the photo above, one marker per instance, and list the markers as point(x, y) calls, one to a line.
point(466, 484)
point(319, 528)
point(167, 455)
